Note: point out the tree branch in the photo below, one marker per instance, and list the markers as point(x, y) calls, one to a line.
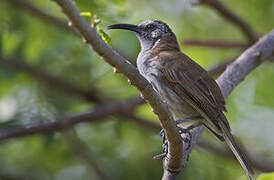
point(96, 114)
point(102, 45)
point(250, 34)
point(246, 62)
point(172, 163)
point(214, 71)
point(215, 44)
point(241, 67)
point(258, 161)
point(91, 95)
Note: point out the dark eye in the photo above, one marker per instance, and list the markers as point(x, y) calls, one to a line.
point(150, 26)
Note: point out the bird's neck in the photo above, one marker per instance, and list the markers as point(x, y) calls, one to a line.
point(166, 43)
point(145, 60)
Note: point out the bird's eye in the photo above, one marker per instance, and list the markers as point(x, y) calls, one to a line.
point(150, 26)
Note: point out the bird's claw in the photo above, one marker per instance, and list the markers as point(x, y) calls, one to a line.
point(162, 134)
point(165, 146)
point(186, 136)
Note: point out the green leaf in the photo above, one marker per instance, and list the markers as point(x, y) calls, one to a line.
point(94, 22)
point(88, 14)
point(104, 35)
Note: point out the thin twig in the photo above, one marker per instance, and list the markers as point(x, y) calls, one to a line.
point(223, 11)
point(224, 44)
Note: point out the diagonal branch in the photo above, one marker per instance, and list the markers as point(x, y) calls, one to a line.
point(172, 163)
point(250, 59)
point(102, 53)
point(242, 66)
point(214, 71)
point(246, 29)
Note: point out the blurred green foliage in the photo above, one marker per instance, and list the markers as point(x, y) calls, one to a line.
point(123, 149)
point(266, 176)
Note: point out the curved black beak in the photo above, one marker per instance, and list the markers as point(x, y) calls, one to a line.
point(129, 27)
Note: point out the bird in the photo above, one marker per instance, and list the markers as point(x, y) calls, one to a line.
point(192, 96)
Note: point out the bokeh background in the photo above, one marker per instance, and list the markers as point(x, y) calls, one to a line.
point(37, 55)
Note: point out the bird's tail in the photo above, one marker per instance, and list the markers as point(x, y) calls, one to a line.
point(236, 150)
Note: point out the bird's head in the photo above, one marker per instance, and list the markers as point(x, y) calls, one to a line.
point(148, 32)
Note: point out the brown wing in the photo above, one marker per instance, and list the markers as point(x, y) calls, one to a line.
point(191, 82)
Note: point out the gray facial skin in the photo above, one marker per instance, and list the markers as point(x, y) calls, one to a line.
point(152, 31)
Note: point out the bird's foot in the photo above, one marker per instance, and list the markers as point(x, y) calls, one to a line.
point(186, 137)
point(192, 122)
